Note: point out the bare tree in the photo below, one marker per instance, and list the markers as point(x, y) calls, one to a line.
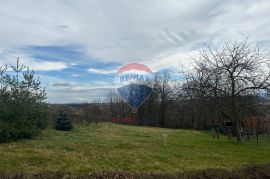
point(96, 111)
point(230, 74)
point(111, 100)
point(86, 113)
point(164, 89)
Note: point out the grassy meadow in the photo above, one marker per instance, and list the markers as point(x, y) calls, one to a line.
point(114, 147)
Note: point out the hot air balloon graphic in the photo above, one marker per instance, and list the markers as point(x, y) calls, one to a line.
point(134, 83)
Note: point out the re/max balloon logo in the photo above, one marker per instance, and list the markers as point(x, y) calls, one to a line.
point(134, 77)
point(134, 83)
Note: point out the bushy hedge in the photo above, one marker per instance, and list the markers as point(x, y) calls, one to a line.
point(23, 110)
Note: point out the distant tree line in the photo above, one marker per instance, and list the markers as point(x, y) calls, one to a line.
point(85, 113)
point(225, 86)
point(23, 110)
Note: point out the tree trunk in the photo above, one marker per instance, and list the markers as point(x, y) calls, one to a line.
point(229, 133)
point(216, 131)
point(238, 132)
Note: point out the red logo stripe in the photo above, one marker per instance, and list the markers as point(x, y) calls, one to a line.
point(134, 66)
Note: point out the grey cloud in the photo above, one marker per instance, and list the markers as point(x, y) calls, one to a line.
point(128, 30)
point(64, 84)
point(64, 26)
point(153, 32)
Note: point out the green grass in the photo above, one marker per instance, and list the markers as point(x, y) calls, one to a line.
point(113, 147)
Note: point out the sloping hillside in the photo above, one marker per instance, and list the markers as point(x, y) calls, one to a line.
point(113, 147)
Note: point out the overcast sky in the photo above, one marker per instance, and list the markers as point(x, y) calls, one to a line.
point(75, 46)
